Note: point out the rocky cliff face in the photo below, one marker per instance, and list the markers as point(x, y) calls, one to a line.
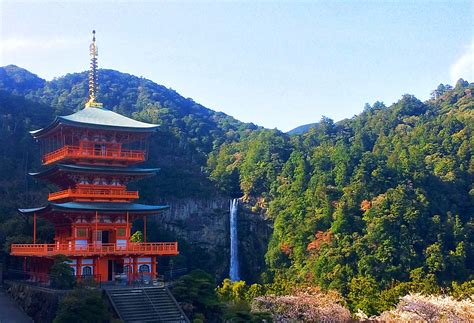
point(202, 229)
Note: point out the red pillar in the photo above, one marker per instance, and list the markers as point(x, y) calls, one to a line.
point(95, 265)
point(127, 233)
point(144, 228)
point(34, 228)
point(135, 267)
point(96, 227)
point(153, 267)
point(79, 269)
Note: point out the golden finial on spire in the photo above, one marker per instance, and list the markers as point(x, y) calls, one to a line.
point(93, 75)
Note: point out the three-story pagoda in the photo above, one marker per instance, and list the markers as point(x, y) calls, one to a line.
point(90, 157)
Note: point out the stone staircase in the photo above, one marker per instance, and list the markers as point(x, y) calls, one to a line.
point(146, 304)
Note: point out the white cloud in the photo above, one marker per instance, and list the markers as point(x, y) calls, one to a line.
point(464, 66)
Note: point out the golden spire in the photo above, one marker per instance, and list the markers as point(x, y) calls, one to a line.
point(93, 77)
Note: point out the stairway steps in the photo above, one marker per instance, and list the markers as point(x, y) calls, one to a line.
point(163, 309)
point(146, 305)
point(142, 316)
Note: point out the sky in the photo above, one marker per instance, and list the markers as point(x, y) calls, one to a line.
point(278, 64)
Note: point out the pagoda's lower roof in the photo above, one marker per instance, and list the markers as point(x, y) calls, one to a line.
point(101, 207)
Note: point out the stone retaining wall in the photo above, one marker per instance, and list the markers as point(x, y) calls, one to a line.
point(39, 303)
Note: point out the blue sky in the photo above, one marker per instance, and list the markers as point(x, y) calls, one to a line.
point(277, 64)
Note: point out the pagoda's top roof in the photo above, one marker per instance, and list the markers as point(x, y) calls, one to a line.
point(98, 118)
point(101, 207)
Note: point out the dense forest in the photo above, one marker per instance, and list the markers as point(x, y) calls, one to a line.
point(371, 207)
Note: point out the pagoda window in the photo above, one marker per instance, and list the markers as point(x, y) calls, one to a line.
point(98, 236)
point(81, 232)
point(127, 269)
point(81, 244)
point(144, 269)
point(121, 244)
point(100, 149)
point(121, 232)
point(87, 271)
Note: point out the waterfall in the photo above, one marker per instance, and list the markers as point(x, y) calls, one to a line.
point(234, 241)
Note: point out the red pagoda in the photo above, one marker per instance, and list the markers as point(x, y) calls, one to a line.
point(90, 155)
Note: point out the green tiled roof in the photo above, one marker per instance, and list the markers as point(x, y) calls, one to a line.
point(101, 207)
point(95, 169)
point(98, 118)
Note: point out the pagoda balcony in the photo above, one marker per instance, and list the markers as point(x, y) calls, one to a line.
point(96, 249)
point(92, 194)
point(109, 155)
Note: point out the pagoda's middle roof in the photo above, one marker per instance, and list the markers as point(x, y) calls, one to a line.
point(94, 170)
point(74, 207)
point(97, 118)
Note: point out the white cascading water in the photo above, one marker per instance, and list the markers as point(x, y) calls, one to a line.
point(234, 240)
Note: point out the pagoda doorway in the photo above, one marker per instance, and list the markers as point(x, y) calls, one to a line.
point(110, 271)
point(115, 270)
point(105, 236)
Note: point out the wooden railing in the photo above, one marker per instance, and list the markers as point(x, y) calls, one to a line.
point(93, 194)
point(49, 281)
point(141, 248)
point(89, 153)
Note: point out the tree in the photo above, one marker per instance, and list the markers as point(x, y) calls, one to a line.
point(195, 292)
point(137, 237)
point(440, 90)
point(364, 295)
point(82, 306)
point(62, 275)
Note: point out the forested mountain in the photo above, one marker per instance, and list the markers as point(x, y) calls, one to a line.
point(374, 206)
point(302, 129)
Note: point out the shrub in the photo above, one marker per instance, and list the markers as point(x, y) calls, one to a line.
point(305, 305)
point(420, 308)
